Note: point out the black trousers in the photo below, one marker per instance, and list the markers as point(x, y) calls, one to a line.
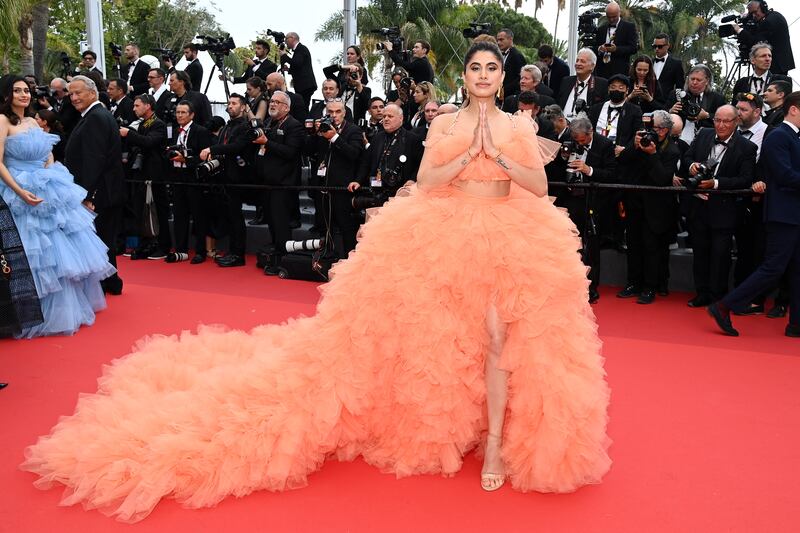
point(711, 250)
point(107, 224)
point(648, 252)
point(577, 207)
point(342, 215)
point(161, 199)
point(238, 229)
point(277, 206)
point(307, 95)
point(782, 255)
point(187, 204)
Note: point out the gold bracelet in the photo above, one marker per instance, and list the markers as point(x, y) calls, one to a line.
point(499, 153)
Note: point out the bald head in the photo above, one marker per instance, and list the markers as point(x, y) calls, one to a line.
point(444, 109)
point(275, 82)
point(726, 118)
point(392, 118)
point(677, 124)
point(612, 12)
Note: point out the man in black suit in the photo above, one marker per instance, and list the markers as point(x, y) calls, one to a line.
point(330, 90)
point(616, 118)
point(583, 86)
point(149, 139)
point(121, 104)
point(355, 94)
point(87, 64)
point(299, 109)
point(419, 67)
point(513, 61)
point(94, 157)
point(761, 59)
point(593, 161)
point(182, 90)
point(337, 152)
point(558, 67)
point(698, 91)
point(730, 160)
point(160, 92)
point(616, 41)
point(259, 65)
point(530, 79)
point(193, 66)
point(650, 216)
point(277, 162)
point(392, 158)
point(668, 69)
point(60, 103)
point(771, 27)
point(774, 97)
point(300, 67)
point(135, 72)
point(189, 202)
point(781, 164)
point(531, 104)
point(233, 145)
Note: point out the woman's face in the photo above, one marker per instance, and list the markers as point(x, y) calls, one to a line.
point(352, 57)
point(21, 94)
point(642, 69)
point(42, 123)
point(253, 92)
point(483, 75)
point(419, 95)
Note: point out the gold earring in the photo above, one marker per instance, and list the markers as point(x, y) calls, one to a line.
point(500, 93)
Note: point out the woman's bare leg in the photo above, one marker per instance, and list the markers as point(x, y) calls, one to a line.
point(496, 399)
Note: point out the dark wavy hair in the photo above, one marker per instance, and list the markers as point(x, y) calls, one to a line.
point(52, 120)
point(482, 46)
point(6, 97)
point(358, 53)
point(650, 79)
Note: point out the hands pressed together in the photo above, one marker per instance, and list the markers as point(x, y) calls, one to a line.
point(482, 139)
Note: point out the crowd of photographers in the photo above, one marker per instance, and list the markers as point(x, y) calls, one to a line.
point(623, 117)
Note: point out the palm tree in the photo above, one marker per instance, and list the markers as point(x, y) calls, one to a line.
point(40, 13)
point(10, 31)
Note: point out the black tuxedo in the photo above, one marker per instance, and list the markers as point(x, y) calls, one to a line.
point(743, 85)
point(408, 143)
point(195, 71)
point(419, 68)
point(774, 117)
point(302, 72)
point(200, 103)
point(558, 71)
point(191, 203)
point(298, 107)
point(138, 81)
point(780, 156)
point(544, 90)
point(672, 76)
point(511, 103)
point(164, 104)
point(626, 41)
point(360, 101)
point(261, 70)
point(711, 101)
point(596, 93)
point(339, 161)
point(318, 111)
point(628, 123)
point(123, 110)
point(712, 221)
point(94, 157)
point(774, 30)
point(512, 64)
point(67, 114)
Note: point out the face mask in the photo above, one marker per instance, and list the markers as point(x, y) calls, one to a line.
point(616, 96)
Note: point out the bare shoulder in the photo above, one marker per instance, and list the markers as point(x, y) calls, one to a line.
point(441, 123)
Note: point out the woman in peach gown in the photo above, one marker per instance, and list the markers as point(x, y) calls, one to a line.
point(477, 334)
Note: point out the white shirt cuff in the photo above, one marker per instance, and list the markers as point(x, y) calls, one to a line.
point(333, 139)
point(716, 183)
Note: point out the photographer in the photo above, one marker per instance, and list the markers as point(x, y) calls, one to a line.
point(530, 104)
point(341, 73)
point(718, 158)
point(258, 99)
point(300, 67)
point(585, 157)
point(87, 64)
point(616, 118)
point(181, 86)
point(337, 146)
point(189, 202)
point(277, 162)
point(235, 146)
point(769, 27)
point(645, 89)
point(650, 216)
point(136, 71)
point(697, 103)
point(193, 67)
point(59, 102)
point(121, 104)
point(391, 160)
point(761, 60)
point(558, 68)
point(513, 61)
point(615, 42)
point(299, 109)
point(584, 87)
point(419, 67)
point(330, 90)
point(355, 94)
point(149, 140)
point(774, 96)
point(375, 121)
point(159, 90)
point(259, 65)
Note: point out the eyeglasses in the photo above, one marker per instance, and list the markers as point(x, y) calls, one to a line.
point(153, 77)
point(724, 120)
point(659, 46)
point(276, 102)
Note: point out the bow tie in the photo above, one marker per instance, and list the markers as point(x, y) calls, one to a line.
point(612, 26)
point(659, 60)
point(717, 140)
point(747, 134)
point(256, 61)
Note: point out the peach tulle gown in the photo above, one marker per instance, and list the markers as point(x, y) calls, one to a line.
point(390, 368)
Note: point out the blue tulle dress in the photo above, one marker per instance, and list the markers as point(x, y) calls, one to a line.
point(67, 258)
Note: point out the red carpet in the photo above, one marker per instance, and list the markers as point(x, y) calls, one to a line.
point(705, 427)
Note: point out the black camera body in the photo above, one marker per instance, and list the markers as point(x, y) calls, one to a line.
point(166, 55)
point(587, 28)
point(209, 169)
point(570, 151)
point(726, 30)
point(216, 45)
point(175, 150)
point(326, 124)
point(42, 91)
point(116, 50)
point(256, 130)
point(689, 106)
point(393, 36)
point(279, 37)
point(646, 135)
point(705, 171)
point(477, 28)
point(581, 106)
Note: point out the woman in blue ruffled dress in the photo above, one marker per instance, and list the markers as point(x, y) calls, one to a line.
point(66, 257)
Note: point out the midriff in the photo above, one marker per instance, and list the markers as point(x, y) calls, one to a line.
point(488, 189)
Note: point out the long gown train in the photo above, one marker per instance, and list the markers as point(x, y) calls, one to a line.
point(391, 367)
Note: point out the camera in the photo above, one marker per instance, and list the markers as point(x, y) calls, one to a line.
point(216, 45)
point(326, 124)
point(256, 129)
point(587, 27)
point(581, 106)
point(688, 104)
point(208, 169)
point(175, 150)
point(571, 151)
point(116, 50)
point(646, 135)
point(306, 245)
point(726, 30)
point(42, 91)
point(705, 171)
point(406, 83)
point(354, 75)
point(393, 36)
point(366, 198)
point(476, 28)
point(279, 37)
point(166, 55)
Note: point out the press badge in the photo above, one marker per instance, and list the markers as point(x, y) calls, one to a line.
point(322, 170)
point(169, 131)
point(375, 181)
point(262, 150)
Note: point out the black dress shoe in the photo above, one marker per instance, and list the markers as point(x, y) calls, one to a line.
point(647, 297)
point(663, 290)
point(753, 309)
point(792, 330)
point(198, 258)
point(593, 296)
point(699, 301)
point(257, 221)
point(778, 311)
point(3, 385)
point(629, 292)
point(112, 286)
point(723, 320)
point(231, 260)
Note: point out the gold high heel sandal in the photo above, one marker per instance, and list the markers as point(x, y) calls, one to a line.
point(491, 481)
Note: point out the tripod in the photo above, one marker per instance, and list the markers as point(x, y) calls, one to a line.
point(218, 59)
point(740, 66)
